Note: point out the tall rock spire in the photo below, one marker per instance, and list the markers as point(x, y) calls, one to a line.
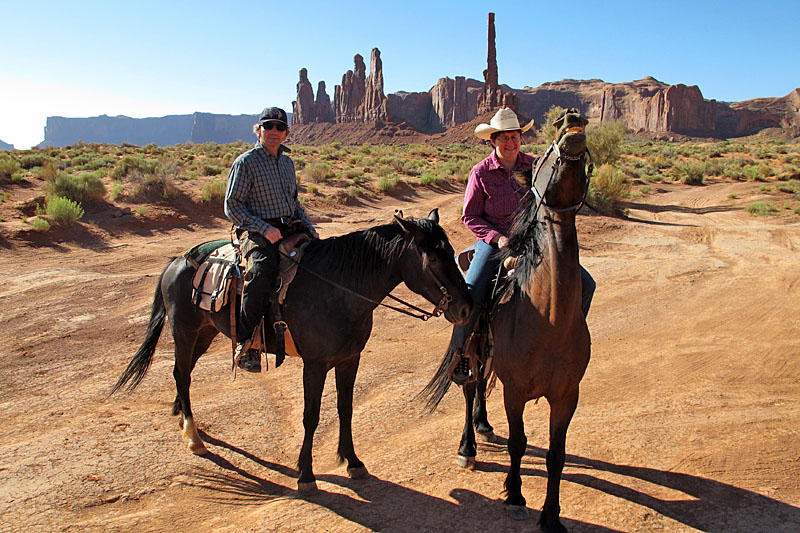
point(493, 97)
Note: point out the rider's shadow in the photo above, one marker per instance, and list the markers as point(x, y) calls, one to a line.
point(708, 505)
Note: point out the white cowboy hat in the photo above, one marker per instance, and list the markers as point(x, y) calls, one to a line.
point(504, 120)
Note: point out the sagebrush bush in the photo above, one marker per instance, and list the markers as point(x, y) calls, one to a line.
point(605, 142)
point(84, 187)
point(318, 172)
point(608, 189)
point(388, 183)
point(41, 224)
point(690, 173)
point(214, 191)
point(63, 210)
point(8, 167)
point(761, 209)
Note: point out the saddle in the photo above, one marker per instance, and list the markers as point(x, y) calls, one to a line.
point(219, 269)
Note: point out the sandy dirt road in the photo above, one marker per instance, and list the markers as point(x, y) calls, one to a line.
point(689, 417)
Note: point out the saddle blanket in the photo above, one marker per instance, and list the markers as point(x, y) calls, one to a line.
point(212, 280)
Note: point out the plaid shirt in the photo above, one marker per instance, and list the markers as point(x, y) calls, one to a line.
point(492, 197)
point(261, 187)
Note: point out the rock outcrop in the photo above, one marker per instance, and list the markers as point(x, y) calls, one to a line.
point(348, 96)
point(322, 105)
point(304, 108)
point(6, 146)
point(373, 108)
point(163, 131)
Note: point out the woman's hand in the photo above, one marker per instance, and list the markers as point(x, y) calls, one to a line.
point(502, 241)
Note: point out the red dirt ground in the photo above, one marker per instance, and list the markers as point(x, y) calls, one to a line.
point(689, 415)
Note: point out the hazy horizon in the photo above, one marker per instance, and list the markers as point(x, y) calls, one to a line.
point(154, 59)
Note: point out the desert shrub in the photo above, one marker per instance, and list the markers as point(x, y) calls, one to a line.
point(318, 172)
point(41, 224)
point(387, 184)
point(383, 170)
point(214, 191)
point(548, 131)
point(211, 170)
point(353, 173)
point(608, 189)
point(8, 167)
point(605, 142)
point(155, 184)
point(116, 190)
point(63, 210)
point(659, 161)
point(690, 173)
point(761, 209)
point(132, 163)
point(791, 187)
point(354, 191)
point(83, 187)
point(312, 190)
point(430, 178)
point(33, 160)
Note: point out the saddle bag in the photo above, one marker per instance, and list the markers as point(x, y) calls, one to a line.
point(212, 280)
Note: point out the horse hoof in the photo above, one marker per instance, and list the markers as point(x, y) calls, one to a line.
point(466, 462)
point(198, 449)
point(358, 473)
point(517, 512)
point(307, 488)
point(486, 437)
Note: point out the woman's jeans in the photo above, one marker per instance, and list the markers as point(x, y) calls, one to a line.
point(481, 271)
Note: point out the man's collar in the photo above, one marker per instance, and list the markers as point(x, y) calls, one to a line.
point(282, 148)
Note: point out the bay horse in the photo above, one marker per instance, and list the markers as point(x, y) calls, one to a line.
point(541, 344)
point(328, 307)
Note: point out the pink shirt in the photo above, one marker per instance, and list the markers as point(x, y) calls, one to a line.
point(493, 196)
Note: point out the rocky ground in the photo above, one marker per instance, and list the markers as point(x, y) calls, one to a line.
point(688, 420)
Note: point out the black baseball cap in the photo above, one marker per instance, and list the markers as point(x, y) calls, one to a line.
point(273, 114)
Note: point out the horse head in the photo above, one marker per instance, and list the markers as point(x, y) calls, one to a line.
point(561, 180)
point(428, 267)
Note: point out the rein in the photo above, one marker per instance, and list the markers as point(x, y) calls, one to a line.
point(424, 315)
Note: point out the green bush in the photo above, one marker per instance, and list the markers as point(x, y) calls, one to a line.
point(116, 190)
point(131, 163)
point(605, 142)
point(214, 191)
point(388, 183)
point(8, 167)
point(791, 186)
point(63, 210)
point(608, 189)
point(84, 187)
point(41, 224)
point(690, 173)
point(33, 160)
point(318, 172)
point(761, 209)
point(548, 132)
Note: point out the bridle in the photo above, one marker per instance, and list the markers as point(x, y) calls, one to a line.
point(560, 159)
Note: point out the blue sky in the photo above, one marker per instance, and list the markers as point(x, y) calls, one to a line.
point(145, 58)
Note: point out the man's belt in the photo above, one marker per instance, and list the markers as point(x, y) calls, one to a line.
point(285, 222)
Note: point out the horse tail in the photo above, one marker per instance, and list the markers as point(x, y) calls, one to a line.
point(439, 384)
point(140, 363)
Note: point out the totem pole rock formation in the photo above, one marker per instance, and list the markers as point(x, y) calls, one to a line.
point(493, 96)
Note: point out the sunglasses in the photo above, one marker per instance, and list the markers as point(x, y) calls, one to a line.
point(277, 125)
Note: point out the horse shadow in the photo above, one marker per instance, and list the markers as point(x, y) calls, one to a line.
point(708, 504)
point(378, 505)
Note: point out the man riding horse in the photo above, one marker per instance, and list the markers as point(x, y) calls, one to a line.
point(261, 200)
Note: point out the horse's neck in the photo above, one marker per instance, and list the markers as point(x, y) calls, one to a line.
point(556, 289)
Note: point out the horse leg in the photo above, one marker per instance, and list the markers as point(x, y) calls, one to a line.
point(517, 441)
point(313, 384)
point(561, 412)
point(483, 428)
point(203, 342)
point(185, 344)
point(466, 449)
point(345, 378)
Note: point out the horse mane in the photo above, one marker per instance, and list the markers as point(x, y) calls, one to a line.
point(524, 242)
point(362, 252)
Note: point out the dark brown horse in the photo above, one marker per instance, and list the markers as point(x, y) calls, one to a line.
point(538, 330)
point(328, 307)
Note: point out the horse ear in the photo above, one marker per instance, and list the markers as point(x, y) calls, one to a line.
point(434, 215)
point(410, 228)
